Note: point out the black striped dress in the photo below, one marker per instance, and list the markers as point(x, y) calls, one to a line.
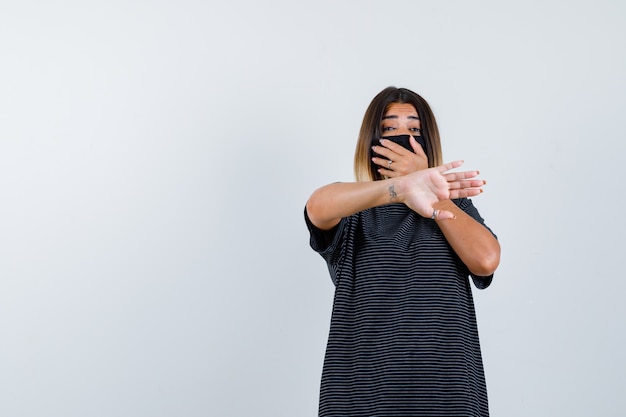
point(403, 336)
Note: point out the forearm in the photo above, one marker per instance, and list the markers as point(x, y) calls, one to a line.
point(329, 204)
point(472, 242)
point(419, 190)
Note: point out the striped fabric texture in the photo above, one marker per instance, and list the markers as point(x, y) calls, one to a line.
point(403, 335)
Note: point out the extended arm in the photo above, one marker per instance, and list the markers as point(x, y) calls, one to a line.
point(419, 190)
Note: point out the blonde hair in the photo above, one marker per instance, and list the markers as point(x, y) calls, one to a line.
point(364, 168)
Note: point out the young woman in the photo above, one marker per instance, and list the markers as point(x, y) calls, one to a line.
point(401, 244)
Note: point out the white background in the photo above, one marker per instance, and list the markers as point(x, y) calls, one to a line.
point(156, 156)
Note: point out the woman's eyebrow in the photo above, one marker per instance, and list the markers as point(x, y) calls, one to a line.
point(393, 116)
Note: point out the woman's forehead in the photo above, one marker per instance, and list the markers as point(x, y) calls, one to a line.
point(400, 110)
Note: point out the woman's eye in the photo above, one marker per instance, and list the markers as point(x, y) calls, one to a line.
point(387, 128)
point(415, 129)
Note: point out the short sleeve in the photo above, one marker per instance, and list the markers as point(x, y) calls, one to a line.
point(482, 282)
point(328, 243)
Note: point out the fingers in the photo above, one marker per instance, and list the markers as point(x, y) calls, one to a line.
point(382, 162)
point(383, 152)
point(393, 146)
point(390, 167)
point(453, 185)
point(463, 180)
point(392, 150)
point(465, 193)
point(448, 166)
point(442, 215)
point(389, 150)
point(403, 160)
point(385, 160)
point(454, 176)
point(417, 147)
point(466, 188)
point(386, 166)
point(462, 184)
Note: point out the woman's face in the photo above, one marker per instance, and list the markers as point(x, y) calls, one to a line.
point(400, 119)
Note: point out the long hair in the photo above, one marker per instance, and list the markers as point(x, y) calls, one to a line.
point(371, 130)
